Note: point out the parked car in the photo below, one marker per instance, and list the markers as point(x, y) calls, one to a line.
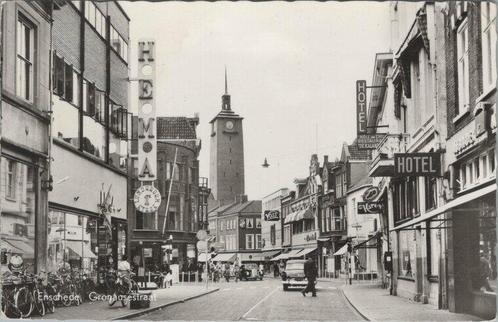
point(250, 271)
point(293, 274)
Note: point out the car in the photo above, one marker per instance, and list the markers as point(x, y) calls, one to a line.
point(250, 271)
point(293, 275)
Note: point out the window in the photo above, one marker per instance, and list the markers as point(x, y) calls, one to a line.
point(338, 185)
point(273, 235)
point(258, 222)
point(11, 179)
point(25, 58)
point(147, 220)
point(259, 243)
point(249, 241)
point(119, 44)
point(476, 170)
point(249, 223)
point(95, 17)
point(406, 253)
point(488, 28)
point(430, 193)
point(433, 237)
point(18, 212)
point(463, 67)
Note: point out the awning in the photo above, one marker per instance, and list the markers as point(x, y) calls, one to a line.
point(452, 204)
point(305, 214)
point(80, 249)
point(20, 247)
point(279, 257)
point(341, 250)
point(324, 239)
point(366, 241)
point(306, 251)
point(291, 217)
point(294, 253)
point(250, 257)
point(269, 254)
point(225, 257)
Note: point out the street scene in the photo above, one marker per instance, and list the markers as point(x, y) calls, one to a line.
point(260, 161)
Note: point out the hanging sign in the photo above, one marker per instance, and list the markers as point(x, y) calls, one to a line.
point(371, 193)
point(369, 141)
point(417, 164)
point(147, 138)
point(361, 106)
point(365, 208)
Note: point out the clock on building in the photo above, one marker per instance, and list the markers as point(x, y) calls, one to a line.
point(229, 125)
point(147, 199)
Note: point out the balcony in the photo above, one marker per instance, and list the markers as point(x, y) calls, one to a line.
point(383, 157)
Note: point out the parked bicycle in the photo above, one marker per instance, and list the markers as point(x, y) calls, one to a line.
point(123, 288)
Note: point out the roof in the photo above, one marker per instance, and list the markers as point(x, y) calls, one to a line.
point(362, 182)
point(354, 153)
point(176, 127)
point(245, 207)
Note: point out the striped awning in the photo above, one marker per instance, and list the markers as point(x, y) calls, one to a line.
point(306, 213)
point(295, 253)
point(225, 257)
point(341, 250)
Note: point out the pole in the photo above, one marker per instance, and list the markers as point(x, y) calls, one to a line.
point(169, 192)
point(206, 266)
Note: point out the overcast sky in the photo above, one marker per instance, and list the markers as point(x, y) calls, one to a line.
point(292, 69)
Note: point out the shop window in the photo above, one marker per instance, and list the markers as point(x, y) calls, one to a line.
point(25, 49)
point(485, 274)
point(430, 193)
point(406, 255)
point(433, 238)
point(488, 28)
point(463, 67)
point(18, 214)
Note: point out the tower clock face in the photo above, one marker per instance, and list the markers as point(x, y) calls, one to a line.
point(229, 125)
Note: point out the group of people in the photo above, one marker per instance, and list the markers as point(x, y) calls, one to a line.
point(217, 271)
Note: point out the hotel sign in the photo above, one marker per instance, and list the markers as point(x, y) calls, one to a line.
point(272, 215)
point(361, 106)
point(147, 138)
point(417, 164)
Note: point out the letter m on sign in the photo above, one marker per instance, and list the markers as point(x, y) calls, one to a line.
point(146, 128)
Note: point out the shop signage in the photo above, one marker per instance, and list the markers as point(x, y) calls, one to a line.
point(272, 215)
point(361, 106)
point(147, 199)
point(365, 208)
point(371, 193)
point(417, 164)
point(310, 237)
point(147, 252)
point(369, 141)
point(147, 138)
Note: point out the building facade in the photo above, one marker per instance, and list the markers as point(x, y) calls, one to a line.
point(176, 221)
point(25, 145)
point(87, 224)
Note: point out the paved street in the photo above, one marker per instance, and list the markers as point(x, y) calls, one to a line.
point(261, 300)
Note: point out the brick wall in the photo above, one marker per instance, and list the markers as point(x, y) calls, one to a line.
point(475, 65)
point(66, 34)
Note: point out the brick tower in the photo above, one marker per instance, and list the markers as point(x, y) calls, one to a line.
point(227, 153)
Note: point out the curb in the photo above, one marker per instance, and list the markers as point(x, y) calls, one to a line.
point(151, 309)
point(353, 306)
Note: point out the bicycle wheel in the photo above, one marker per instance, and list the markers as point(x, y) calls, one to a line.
point(112, 299)
point(24, 302)
point(66, 295)
point(39, 304)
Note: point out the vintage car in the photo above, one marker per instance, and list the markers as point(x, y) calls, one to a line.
point(293, 275)
point(250, 271)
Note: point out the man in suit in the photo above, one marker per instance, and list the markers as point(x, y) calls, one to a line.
point(310, 271)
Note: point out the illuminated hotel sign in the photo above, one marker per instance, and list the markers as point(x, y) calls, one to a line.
point(147, 138)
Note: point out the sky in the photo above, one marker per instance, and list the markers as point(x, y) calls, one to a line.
point(292, 68)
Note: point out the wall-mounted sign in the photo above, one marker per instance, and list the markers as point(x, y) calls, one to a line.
point(369, 141)
point(361, 106)
point(371, 193)
point(147, 199)
point(365, 208)
point(310, 237)
point(272, 215)
point(147, 252)
point(417, 164)
point(147, 138)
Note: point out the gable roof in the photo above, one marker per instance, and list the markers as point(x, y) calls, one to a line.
point(245, 207)
point(351, 152)
point(176, 127)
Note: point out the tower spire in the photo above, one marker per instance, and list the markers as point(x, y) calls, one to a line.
point(226, 85)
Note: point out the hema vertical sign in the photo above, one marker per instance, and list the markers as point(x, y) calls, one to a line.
point(147, 138)
point(361, 106)
point(417, 164)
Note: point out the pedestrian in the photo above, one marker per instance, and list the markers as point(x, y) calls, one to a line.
point(168, 280)
point(484, 272)
point(310, 271)
point(236, 272)
point(227, 272)
point(276, 270)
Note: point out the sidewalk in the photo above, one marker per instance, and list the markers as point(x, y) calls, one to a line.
point(102, 311)
point(375, 304)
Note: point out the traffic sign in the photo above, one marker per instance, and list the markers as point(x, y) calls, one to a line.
point(202, 245)
point(201, 235)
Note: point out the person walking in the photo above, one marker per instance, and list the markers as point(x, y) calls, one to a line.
point(310, 271)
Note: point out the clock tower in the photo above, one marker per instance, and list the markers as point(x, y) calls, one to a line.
point(226, 171)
